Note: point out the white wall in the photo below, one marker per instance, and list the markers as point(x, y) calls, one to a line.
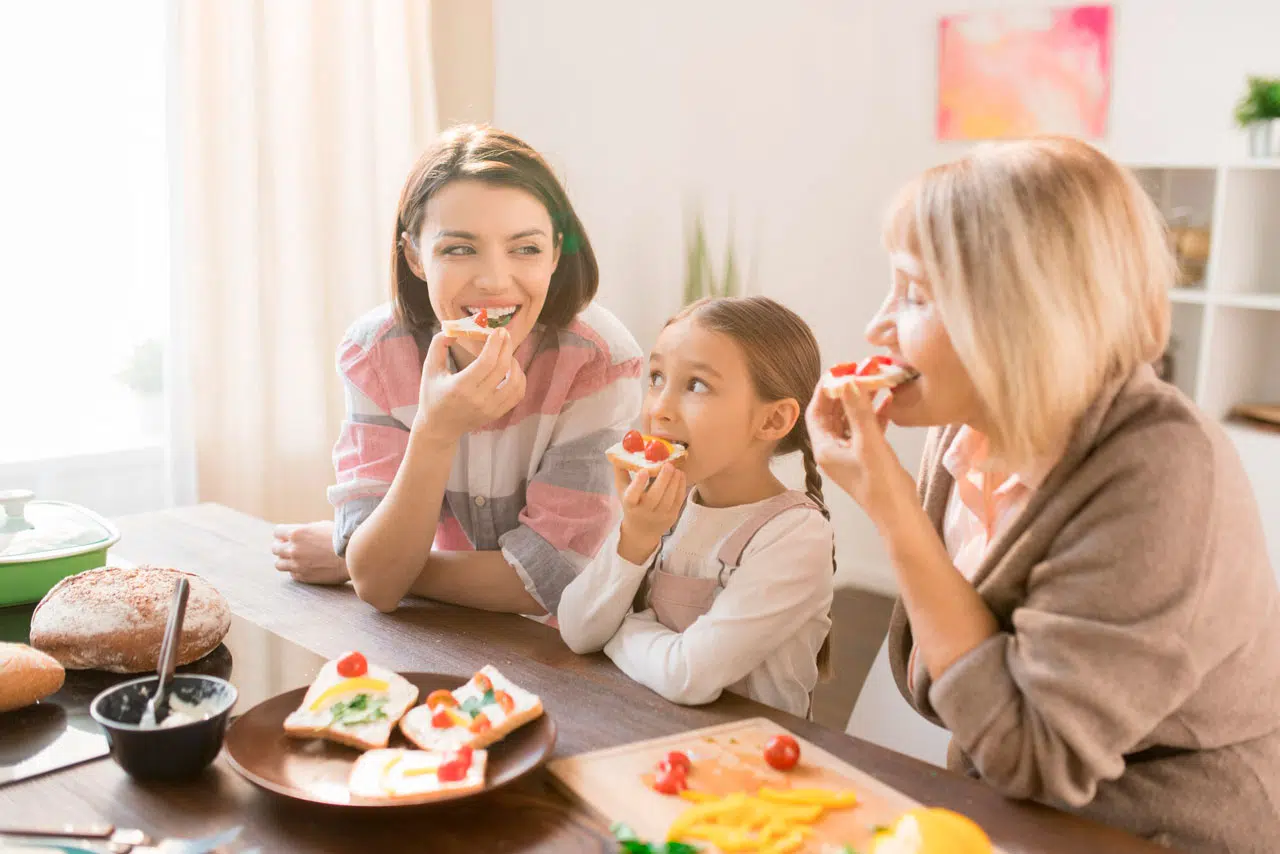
point(798, 120)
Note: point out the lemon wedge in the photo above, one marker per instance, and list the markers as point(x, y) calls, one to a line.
point(932, 831)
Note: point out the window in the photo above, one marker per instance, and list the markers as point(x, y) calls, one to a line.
point(84, 219)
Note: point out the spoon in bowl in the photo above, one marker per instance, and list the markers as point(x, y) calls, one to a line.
point(158, 706)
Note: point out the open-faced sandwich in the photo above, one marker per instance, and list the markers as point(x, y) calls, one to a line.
point(415, 776)
point(483, 323)
point(871, 374)
point(639, 452)
point(352, 702)
point(477, 714)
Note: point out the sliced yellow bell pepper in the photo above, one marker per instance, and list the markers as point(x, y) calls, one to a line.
point(821, 797)
point(350, 686)
point(793, 841)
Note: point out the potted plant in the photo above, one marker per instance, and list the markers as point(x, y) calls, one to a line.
point(1259, 114)
point(699, 277)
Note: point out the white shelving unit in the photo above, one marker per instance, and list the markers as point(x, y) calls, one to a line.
point(1226, 329)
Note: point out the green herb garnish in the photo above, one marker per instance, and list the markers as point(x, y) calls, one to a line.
point(499, 322)
point(473, 705)
point(881, 828)
point(632, 844)
point(360, 709)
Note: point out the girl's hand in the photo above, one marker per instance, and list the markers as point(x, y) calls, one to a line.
point(647, 513)
point(850, 446)
point(452, 405)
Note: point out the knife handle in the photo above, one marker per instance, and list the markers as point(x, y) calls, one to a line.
point(88, 830)
point(64, 844)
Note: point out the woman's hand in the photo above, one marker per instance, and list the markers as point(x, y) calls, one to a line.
point(649, 510)
point(306, 553)
point(849, 444)
point(452, 405)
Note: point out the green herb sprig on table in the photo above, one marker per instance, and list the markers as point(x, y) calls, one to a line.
point(632, 844)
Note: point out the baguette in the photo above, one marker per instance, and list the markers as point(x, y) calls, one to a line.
point(488, 696)
point(26, 676)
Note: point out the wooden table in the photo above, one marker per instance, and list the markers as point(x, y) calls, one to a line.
point(593, 704)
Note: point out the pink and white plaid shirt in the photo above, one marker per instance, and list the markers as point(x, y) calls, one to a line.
point(535, 483)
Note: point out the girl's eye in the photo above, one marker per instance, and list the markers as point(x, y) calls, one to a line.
point(656, 379)
point(531, 249)
point(915, 296)
point(458, 249)
point(698, 386)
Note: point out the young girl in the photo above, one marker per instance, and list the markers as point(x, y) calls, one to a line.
point(1086, 600)
point(472, 472)
point(738, 595)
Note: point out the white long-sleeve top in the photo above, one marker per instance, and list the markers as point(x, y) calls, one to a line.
point(762, 634)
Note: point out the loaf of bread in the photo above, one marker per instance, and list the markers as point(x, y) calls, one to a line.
point(26, 675)
point(113, 619)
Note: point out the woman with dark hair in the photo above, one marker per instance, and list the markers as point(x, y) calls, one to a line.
point(473, 471)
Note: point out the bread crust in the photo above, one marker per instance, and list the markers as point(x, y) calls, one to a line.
point(27, 675)
point(113, 619)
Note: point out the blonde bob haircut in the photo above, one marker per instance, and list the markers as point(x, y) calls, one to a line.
point(1050, 267)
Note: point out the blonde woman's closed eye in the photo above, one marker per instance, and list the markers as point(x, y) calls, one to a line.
point(915, 294)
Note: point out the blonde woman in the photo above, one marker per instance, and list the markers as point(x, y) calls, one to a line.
point(1086, 602)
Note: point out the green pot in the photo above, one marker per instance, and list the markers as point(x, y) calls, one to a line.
point(42, 542)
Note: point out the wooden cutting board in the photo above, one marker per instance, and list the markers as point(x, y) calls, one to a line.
point(726, 758)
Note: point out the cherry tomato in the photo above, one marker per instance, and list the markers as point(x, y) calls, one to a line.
point(669, 781)
point(504, 701)
point(678, 759)
point(481, 724)
point(456, 767)
point(441, 698)
point(656, 451)
point(482, 317)
point(782, 752)
point(845, 369)
point(666, 767)
point(482, 682)
point(442, 720)
point(633, 442)
point(351, 665)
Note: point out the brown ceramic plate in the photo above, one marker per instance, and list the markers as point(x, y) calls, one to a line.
point(316, 771)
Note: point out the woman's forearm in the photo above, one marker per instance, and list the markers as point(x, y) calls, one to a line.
point(948, 617)
point(482, 580)
point(390, 550)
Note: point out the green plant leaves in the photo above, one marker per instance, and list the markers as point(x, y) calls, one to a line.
point(1260, 103)
point(699, 276)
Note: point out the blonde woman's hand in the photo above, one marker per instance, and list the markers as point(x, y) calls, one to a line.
point(849, 445)
point(452, 405)
point(650, 507)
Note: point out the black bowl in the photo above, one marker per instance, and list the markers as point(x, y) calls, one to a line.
point(174, 752)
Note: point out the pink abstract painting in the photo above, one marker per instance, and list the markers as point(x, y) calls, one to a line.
point(1016, 73)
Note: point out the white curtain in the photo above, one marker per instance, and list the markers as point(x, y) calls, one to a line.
point(298, 121)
